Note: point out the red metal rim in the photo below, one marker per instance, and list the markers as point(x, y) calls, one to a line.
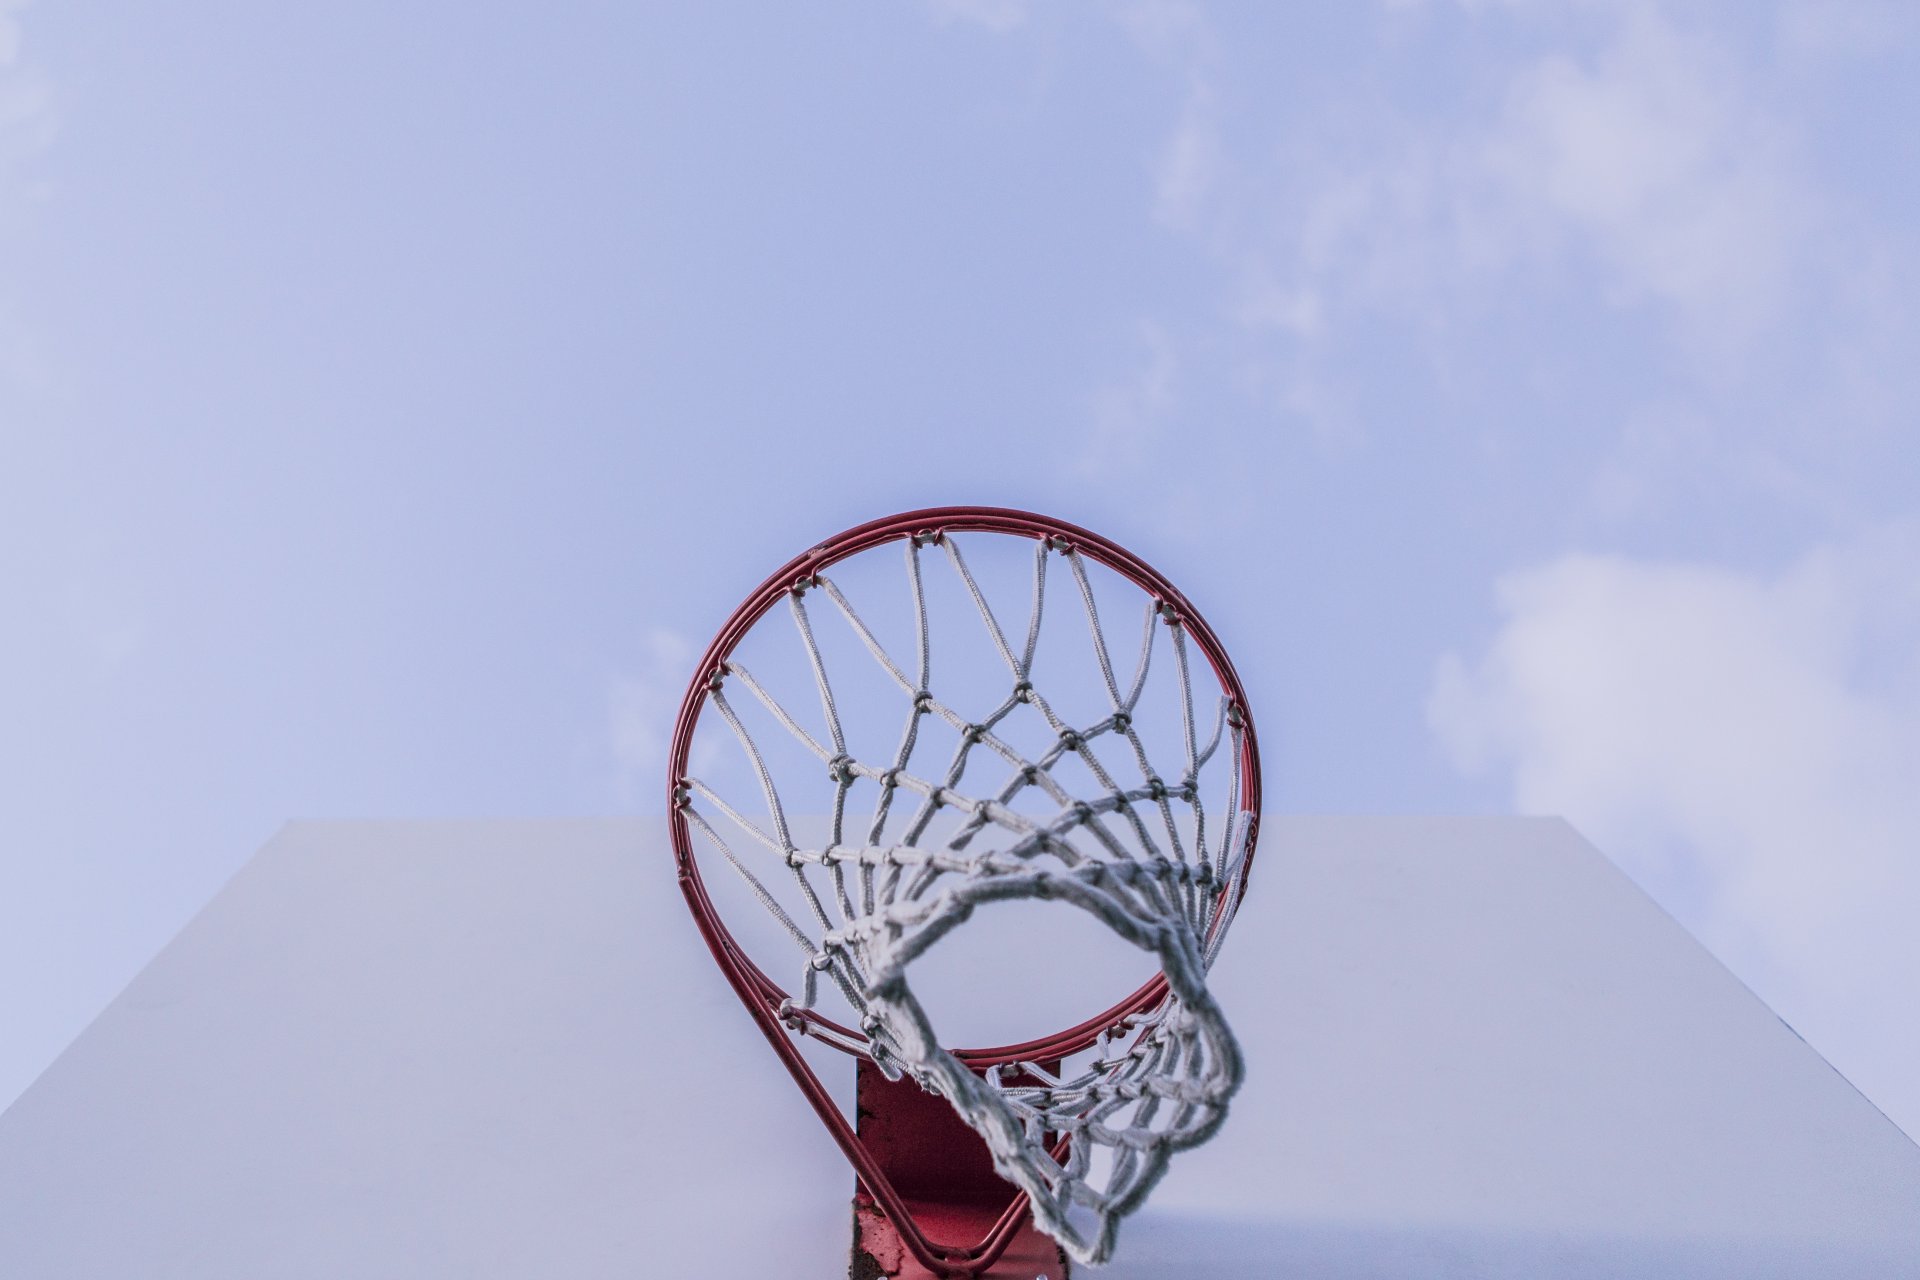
point(748, 978)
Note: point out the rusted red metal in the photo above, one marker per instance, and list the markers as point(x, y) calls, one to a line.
point(931, 1232)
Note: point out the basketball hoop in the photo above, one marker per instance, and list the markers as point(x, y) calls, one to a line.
point(998, 819)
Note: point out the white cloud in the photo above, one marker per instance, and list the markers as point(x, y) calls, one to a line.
point(1646, 180)
point(1746, 746)
point(1655, 156)
point(1634, 148)
point(641, 708)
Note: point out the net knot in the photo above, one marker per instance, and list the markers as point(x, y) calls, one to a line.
point(1070, 739)
point(1122, 722)
point(923, 702)
point(840, 769)
point(1023, 692)
point(1156, 789)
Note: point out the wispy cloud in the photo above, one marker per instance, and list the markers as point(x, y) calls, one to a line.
point(1645, 178)
point(1644, 154)
point(994, 15)
point(26, 127)
point(1846, 28)
point(1744, 744)
point(1130, 414)
point(641, 707)
point(109, 625)
point(1653, 155)
point(26, 121)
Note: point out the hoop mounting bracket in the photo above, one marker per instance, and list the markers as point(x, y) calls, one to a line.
point(940, 1168)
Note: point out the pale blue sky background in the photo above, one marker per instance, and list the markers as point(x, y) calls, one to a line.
point(392, 396)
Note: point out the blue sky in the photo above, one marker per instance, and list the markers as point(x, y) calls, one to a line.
point(393, 397)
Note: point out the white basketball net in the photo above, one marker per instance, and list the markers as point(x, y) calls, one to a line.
point(1136, 854)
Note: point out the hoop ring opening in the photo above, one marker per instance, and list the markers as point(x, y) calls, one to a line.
point(930, 526)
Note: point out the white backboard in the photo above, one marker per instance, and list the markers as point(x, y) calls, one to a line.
point(498, 1048)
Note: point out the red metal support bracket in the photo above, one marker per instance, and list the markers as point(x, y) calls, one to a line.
point(941, 1171)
